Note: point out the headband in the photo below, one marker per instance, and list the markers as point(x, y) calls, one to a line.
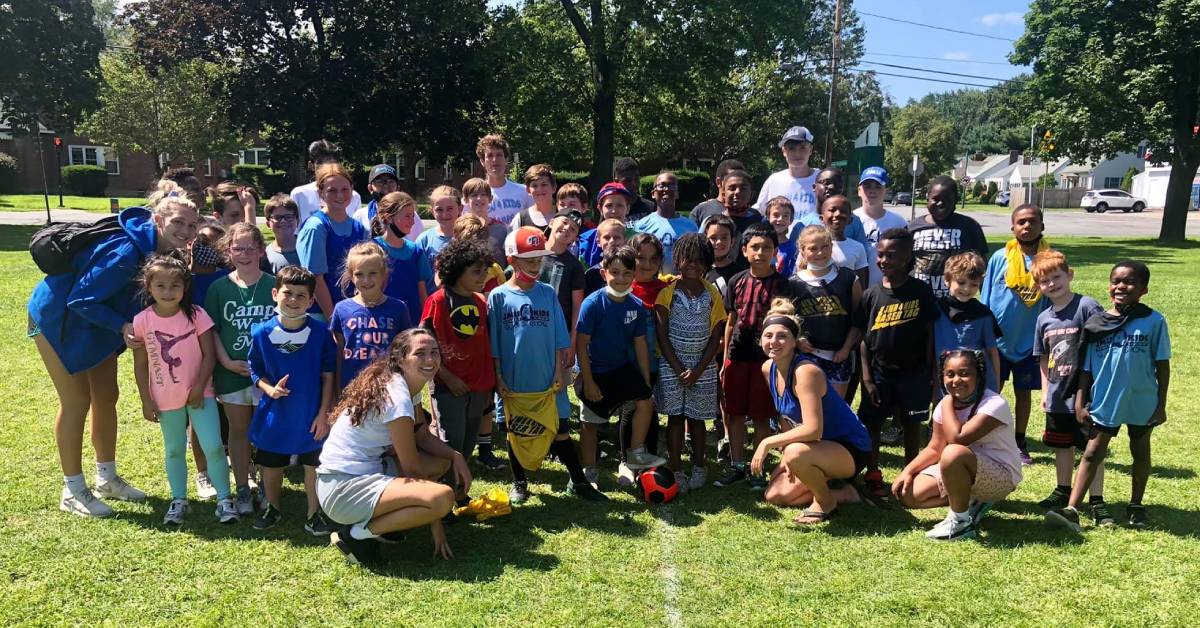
point(786, 321)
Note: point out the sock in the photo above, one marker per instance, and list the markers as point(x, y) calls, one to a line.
point(484, 441)
point(518, 471)
point(1096, 499)
point(106, 471)
point(1063, 489)
point(565, 450)
point(959, 516)
point(76, 484)
point(360, 532)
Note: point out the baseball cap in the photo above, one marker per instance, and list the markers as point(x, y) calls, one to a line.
point(611, 188)
point(796, 134)
point(571, 215)
point(526, 242)
point(876, 174)
point(381, 170)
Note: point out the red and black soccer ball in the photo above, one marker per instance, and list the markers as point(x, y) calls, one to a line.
point(657, 485)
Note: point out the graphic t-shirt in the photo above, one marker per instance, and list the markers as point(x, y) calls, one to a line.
point(1122, 364)
point(508, 201)
point(750, 298)
point(563, 273)
point(174, 355)
point(898, 327)
point(234, 310)
point(873, 228)
point(612, 327)
point(1016, 319)
point(359, 450)
point(282, 425)
point(461, 326)
point(798, 190)
point(998, 445)
point(825, 304)
point(1058, 336)
point(366, 332)
point(934, 243)
point(527, 329)
point(667, 230)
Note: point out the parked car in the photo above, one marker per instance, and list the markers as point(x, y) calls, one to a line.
point(889, 196)
point(1002, 198)
point(904, 198)
point(1101, 201)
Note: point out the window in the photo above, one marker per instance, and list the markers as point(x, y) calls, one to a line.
point(255, 156)
point(419, 170)
point(95, 156)
point(1112, 182)
point(395, 160)
point(208, 167)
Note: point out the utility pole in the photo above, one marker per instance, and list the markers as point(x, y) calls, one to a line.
point(833, 70)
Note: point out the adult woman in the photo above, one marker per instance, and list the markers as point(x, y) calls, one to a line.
point(77, 320)
point(825, 441)
point(326, 236)
point(376, 412)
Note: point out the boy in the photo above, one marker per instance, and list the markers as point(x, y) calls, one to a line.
point(574, 197)
point(508, 197)
point(1123, 380)
point(847, 253)
point(779, 216)
point(1057, 338)
point(942, 234)
point(529, 341)
point(720, 232)
point(747, 299)
point(609, 233)
point(872, 188)
point(477, 195)
point(292, 361)
point(897, 358)
point(539, 184)
point(610, 321)
point(233, 203)
point(795, 182)
point(563, 272)
point(320, 153)
point(830, 182)
point(736, 189)
point(613, 202)
point(1010, 292)
point(963, 322)
point(664, 223)
point(627, 172)
point(714, 206)
point(381, 181)
point(283, 220)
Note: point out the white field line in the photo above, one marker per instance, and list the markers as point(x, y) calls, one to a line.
point(669, 572)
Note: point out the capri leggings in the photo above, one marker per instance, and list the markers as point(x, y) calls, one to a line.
point(206, 425)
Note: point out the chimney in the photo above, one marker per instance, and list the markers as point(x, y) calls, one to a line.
point(1013, 155)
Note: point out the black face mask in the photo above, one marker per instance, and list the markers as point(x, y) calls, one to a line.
point(396, 230)
point(377, 195)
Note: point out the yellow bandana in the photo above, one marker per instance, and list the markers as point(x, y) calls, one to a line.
point(1017, 277)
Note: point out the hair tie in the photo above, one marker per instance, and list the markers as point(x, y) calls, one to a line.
point(786, 321)
point(172, 193)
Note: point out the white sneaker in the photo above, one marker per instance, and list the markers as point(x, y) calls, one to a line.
point(204, 487)
point(593, 476)
point(227, 511)
point(118, 488)
point(643, 459)
point(952, 529)
point(244, 502)
point(175, 512)
point(85, 504)
point(624, 475)
point(699, 478)
point(681, 480)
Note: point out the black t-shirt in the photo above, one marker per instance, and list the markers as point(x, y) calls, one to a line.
point(704, 210)
point(719, 276)
point(934, 243)
point(898, 327)
point(827, 309)
point(711, 208)
point(592, 280)
point(749, 218)
point(564, 273)
point(639, 209)
point(751, 297)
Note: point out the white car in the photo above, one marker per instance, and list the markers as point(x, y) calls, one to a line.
point(1103, 200)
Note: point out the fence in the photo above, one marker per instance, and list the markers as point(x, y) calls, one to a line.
point(1050, 197)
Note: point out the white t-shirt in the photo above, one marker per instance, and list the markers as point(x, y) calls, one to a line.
point(363, 217)
point(998, 445)
point(873, 228)
point(850, 254)
point(359, 450)
point(309, 201)
point(797, 190)
point(508, 201)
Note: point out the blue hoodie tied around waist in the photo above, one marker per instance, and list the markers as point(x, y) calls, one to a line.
point(81, 313)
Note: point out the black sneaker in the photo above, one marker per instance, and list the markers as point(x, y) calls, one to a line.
point(734, 475)
point(1137, 516)
point(490, 461)
point(1066, 516)
point(585, 492)
point(320, 525)
point(1100, 514)
point(757, 483)
point(519, 493)
point(1056, 499)
point(267, 518)
point(358, 552)
point(391, 538)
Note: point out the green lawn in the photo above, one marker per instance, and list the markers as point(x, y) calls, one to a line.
point(715, 557)
point(36, 202)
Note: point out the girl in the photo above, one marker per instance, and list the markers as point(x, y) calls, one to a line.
point(233, 203)
point(822, 439)
point(236, 302)
point(446, 204)
point(376, 413)
point(173, 368)
point(826, 295)
point(690, 316)
point(364, 325)
point(78, 321)
point(972, 459)
point(409, 269)
point(327, 236)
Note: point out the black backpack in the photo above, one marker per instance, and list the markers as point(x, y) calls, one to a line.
point(55, 245)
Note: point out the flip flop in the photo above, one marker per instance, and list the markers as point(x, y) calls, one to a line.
point(813, 517)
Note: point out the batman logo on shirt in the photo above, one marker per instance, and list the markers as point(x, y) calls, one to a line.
point(464, 319)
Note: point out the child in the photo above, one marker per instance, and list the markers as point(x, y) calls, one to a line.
point(1057, 338)
point(613, 202)
point(609, 233)
point(965, 323)
point(446, 204)
point(539, 184)
point(478, 197)
point(563, 272)
point(736, 191)
point(971, 461)
point(779, 216)
point(574, 197)
point(472, 227)
point(942, 234)
point(827, 300)
point(847, 253)
point(721, 234)
point(1123, 380)
point(236, 303)
point(292, 361)
point(283, 221)
point(897, 360)
point(627, 172)
point(233, 203)
point(690, 318)
point(529, 338)
point(364, 325)
point(207, 263)
point(173, 368)
point(409, 269)
point(872, 189)
point(795, 182)
point(327, 236)
point(609, 322)
point(1011, 293)
point(664, 223)
point(381, 181)
point(747, 298)
point(647, 284)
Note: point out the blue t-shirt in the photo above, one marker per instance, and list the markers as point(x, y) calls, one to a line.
point(527, 329)
point(409, 264)
point(612, 326)
point(282, 425)
point(201, 284)
point(1017, 320)
point(367, 332)
point(976, 335)
point(667, 230)
point(786, 256)
point(432, 243)
point(1124, 379)
point(323, 244)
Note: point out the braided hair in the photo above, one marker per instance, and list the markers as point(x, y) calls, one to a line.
point(977, 360)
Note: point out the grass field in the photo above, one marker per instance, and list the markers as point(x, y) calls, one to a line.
point(715, 557)
point(36, 203)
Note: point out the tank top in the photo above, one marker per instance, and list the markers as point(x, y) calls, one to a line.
point(839, 423)
point(825, 308)
point(337, 247)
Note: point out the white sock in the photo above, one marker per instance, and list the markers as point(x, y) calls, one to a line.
point(106, 471)
point(360, 532)
point(959, 516)
point(76, 484)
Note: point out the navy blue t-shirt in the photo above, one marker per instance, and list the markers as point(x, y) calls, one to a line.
point(612, 326)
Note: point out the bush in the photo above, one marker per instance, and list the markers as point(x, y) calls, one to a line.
point(990, 195)
point(8, 173)
point(85, 180)
point(693, 185)
point(581, 178)
point(268, 182)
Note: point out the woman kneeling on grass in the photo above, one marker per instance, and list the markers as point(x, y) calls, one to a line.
point(824, 441)
point(972, 458)
point(376, 413)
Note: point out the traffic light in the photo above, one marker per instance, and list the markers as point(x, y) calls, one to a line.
point(58, 143)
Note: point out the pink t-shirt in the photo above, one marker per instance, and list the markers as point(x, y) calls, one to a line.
point(173, 352)
point(998, 445)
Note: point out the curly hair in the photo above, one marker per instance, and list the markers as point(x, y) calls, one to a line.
point(458, 256)
point(695, 248)
point(368, 391)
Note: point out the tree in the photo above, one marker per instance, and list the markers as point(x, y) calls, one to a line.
point(918, 130)
point(1108, 74)
point(179, 112)
point(1127, 180)
point(1046, 180)
point(984, 120)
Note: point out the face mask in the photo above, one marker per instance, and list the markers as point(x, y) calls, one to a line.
point(377, 195)
point(525, 277)
point(618, 294)
point(816, 269)
point(396, 230)
point(288, 317)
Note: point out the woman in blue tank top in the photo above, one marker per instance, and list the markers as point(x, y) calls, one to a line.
point(824, 440)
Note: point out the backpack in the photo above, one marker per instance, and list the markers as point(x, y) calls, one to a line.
point(55, 245)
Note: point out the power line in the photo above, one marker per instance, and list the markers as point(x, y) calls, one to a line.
point(938, 28)
point(921, 78)
point(888, 54)
point(909, 67)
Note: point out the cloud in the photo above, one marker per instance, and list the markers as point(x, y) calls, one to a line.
point(957, 55)
point(997, 19)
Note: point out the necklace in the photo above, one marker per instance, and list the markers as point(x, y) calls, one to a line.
point(252, 289)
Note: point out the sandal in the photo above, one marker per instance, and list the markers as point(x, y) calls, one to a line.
point(810, 517)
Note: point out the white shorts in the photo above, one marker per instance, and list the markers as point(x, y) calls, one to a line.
point(247, 396)
point(350, 499)
point(993, 482)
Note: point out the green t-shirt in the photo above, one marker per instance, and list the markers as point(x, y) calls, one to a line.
point(234, 310)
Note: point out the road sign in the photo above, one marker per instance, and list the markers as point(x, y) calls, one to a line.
point(917, 167)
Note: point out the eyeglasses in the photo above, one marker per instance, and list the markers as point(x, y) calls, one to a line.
point(242, 250)
point(666, 186)
point(282, 218)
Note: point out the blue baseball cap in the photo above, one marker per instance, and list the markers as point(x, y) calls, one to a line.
point(876, 174)
point(796, 134)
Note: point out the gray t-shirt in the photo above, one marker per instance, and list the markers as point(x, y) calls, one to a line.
point(706, 209)
point(1058, 335)
point(564, 273)
point(277, 259)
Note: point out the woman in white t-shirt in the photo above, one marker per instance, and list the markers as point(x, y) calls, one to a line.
point(375, 417)
point(972, 459)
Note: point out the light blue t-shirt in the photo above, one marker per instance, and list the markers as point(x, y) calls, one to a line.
point(432, 243)
point(527, 329)
point(667, 230)
point(408, 265)
point(976, 335)
point(310, 242)
point(1122, 364)
point(1017, 320)
point(612, 326)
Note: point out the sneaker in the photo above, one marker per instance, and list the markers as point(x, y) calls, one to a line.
point(118, 488)
point(624, 475)
point(757, 483)
point(891, 434)
point(490, 461)
point(734, 475)
point(1066, 516)
point(593, 476)
point(1026, 459)
point(699, 478)
point(518, 493)
point(390, 538)
point(227, 510)
point(204, 487)
point(643, 459)
point(952, 529)
point(1056, 499)
point(1100, 514)
point(267, 518)
point(175, 512)
point(585, 492)
point(364, 552)
point(319, 525)
point(86, 504)
point(244, 502)
point(681, 480)
point(873, 481)
point(1137, 516)
point(723, 450)
point(978, 510)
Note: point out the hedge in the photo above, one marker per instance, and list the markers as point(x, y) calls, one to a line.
point(268, 182)
point(85, 180)
point(8, 174)
point(693, 185)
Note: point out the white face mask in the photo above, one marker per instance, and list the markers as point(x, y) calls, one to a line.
point(288, 317)
point(812, 268)
point(618, 293)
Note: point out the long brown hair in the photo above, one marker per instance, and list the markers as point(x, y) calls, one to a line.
point(367, 392)
point(388, 207)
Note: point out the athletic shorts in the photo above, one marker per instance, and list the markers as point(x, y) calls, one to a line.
point(272, 460)
point(902, 396)
point(1136, 432)
point(745, 391)
point(860, 457)
point(350, 499)
point(993, 482)
point(835, 372)
point(1064, 432)
point(617, 386)
point(1026, 374)
point(247, 396)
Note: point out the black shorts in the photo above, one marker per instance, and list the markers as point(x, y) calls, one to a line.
point(902, 396)
point(1136, 432)
point(272, 460)
point(1064, 432)
point(861, 458)
point(617, 386)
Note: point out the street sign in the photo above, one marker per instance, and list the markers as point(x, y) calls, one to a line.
point(841, 163)
point(917, 167)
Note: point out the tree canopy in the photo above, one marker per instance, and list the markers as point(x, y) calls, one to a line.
point(918, 130)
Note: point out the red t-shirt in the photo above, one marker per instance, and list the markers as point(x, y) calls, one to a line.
point(648, 291)
point(460, 324)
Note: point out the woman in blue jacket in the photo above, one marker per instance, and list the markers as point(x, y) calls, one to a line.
point(78, 321)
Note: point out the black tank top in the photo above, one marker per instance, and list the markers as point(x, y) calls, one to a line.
point(825, 309)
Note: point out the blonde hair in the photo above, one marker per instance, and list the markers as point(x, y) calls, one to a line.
point(167, 196)
point(359, 253)
point(820, 231)
point(609, 222)
point(784, 307)
point(470, 227)
point(445, 191)
point(329, 171)
point(238, 230)
point(475, 186)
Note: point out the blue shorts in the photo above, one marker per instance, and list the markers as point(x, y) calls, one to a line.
point(1026, 374)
